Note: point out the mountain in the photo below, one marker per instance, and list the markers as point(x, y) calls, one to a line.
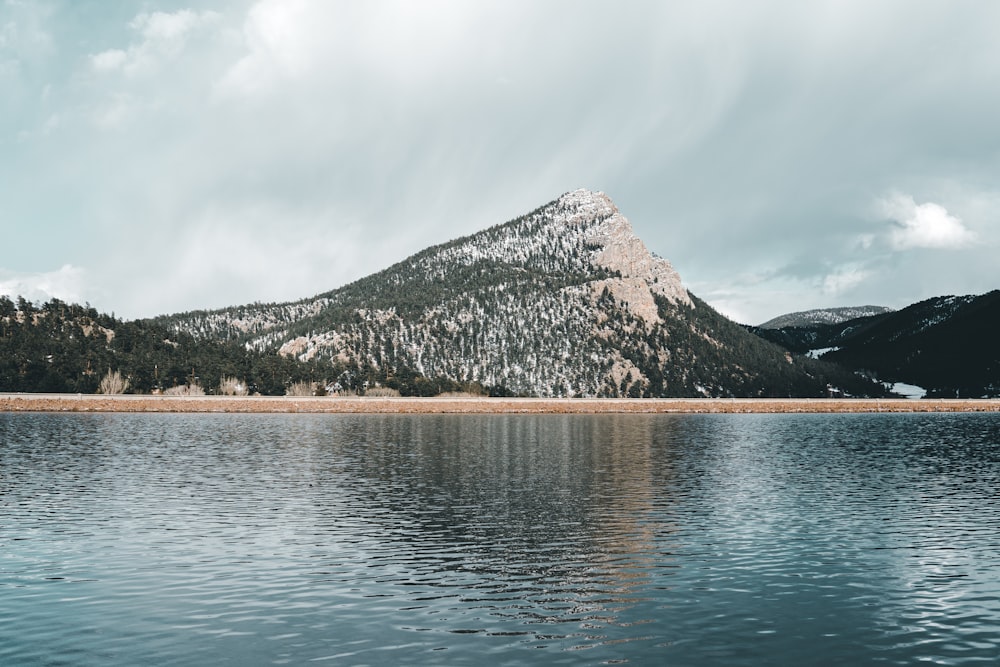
point(947, 344)
point(808, 318)
point(563, 301)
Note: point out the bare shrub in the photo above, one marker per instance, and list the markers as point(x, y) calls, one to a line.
point(382, 392)
point(113, 383)
point(301, 389)
point(230, 386)
point(185, 390)
point(458, 394)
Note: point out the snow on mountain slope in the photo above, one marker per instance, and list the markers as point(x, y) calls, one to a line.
point(563, 301)
point(808, 318)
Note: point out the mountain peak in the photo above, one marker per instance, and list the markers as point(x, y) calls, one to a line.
point(583, 201)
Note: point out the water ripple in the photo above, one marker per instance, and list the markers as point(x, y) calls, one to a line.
point(283, 539)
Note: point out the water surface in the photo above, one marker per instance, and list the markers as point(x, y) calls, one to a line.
point(383, 540)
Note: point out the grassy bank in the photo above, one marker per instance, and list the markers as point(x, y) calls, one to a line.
point(441, 405)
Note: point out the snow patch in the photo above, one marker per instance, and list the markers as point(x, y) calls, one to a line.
point(908, 390)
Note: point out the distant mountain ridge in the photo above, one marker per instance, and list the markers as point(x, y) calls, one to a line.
point(807, 318)
point(563, 301)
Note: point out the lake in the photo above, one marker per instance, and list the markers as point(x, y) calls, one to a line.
point(499, 539)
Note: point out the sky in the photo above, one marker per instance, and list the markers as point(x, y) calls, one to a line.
point(161, 156)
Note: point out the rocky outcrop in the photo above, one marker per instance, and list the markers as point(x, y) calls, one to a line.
point(621, 251)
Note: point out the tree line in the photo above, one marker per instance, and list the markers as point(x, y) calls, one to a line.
point(69, 348)
point(59, 347)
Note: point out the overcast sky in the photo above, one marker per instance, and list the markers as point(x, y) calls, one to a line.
point(159, 156)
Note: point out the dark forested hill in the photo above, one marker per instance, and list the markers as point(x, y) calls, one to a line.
point(947, 345)
point(60, 347)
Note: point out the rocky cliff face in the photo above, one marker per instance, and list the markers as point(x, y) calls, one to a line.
point(564, 301)
point(620, 251)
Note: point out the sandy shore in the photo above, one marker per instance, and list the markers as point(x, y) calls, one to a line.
point(278, 404)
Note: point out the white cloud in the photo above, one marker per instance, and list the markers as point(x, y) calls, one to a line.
point(109, 60)
point(923, 225)
point(163, 36)
point(278, 41)
point(844, 279)
point(8, 33)
point(67, 283)
point(170, 29)
point(404, 44)
point(119, 109)
point(23, 32)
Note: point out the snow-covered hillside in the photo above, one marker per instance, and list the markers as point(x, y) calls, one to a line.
point(808, 318)
point(564, 301)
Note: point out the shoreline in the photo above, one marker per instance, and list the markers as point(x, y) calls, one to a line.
point(477, 405)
